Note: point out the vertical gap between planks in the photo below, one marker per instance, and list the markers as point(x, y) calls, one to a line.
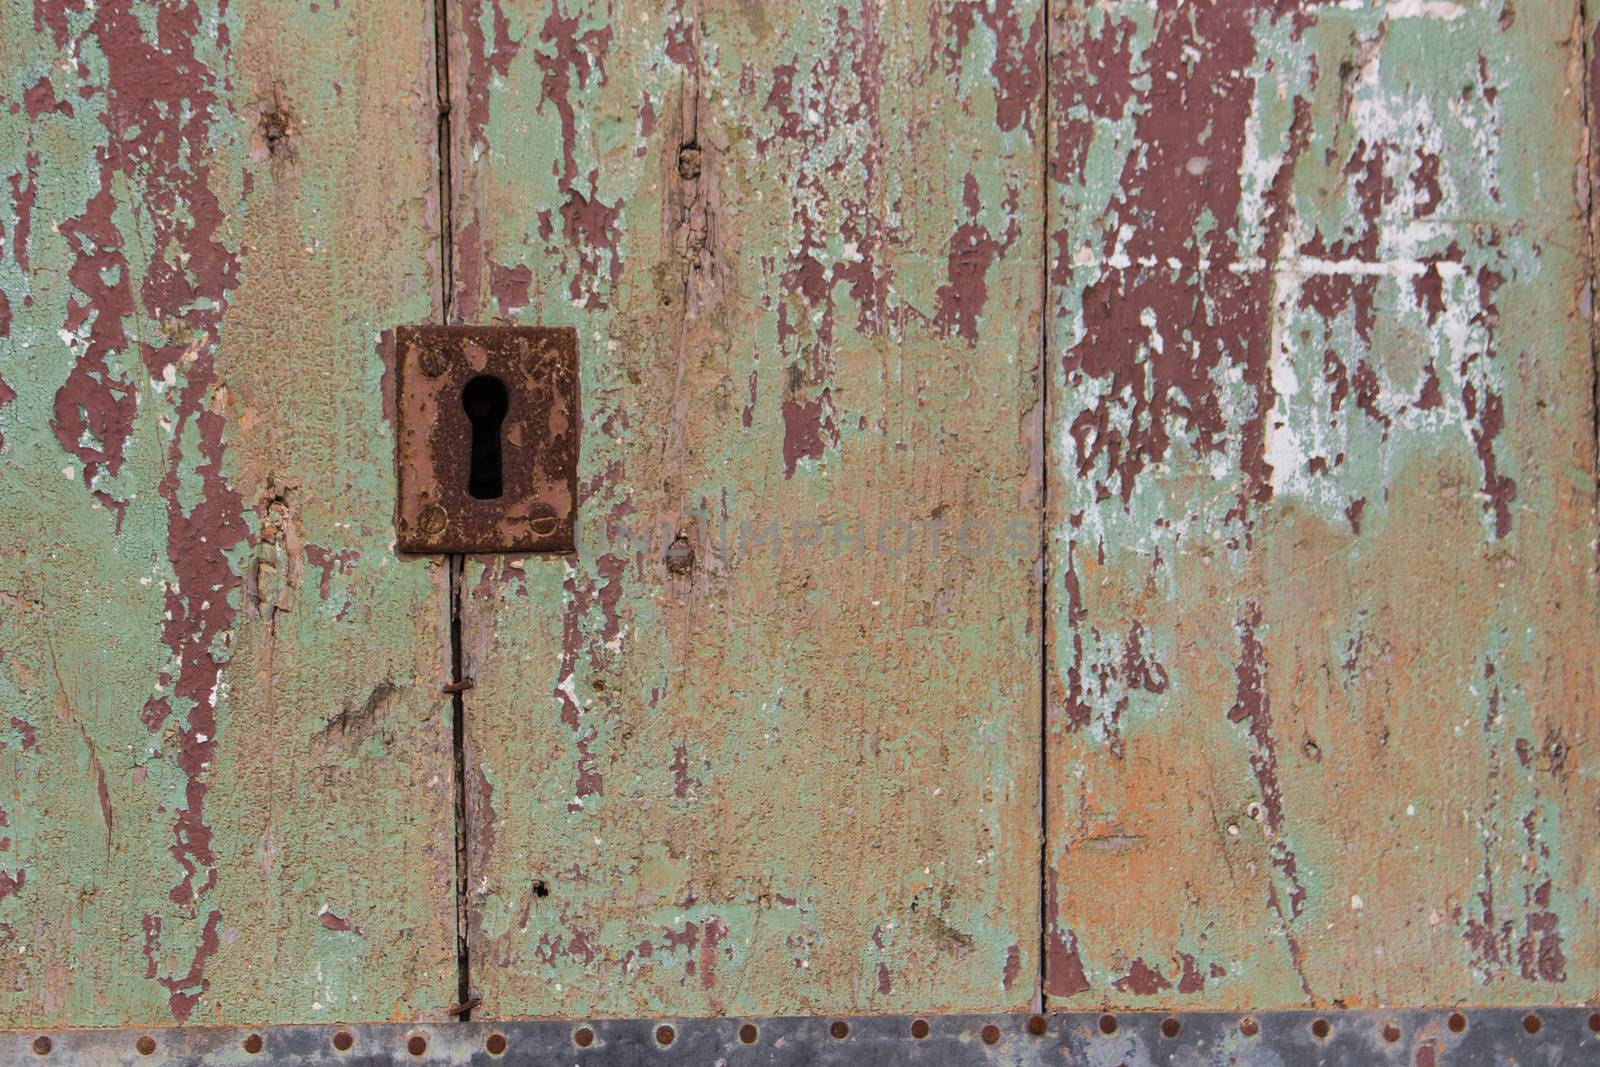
point(441, 90)
point(1043, 445)
point(458, 742)
point(1586, 110)
point(455, 564)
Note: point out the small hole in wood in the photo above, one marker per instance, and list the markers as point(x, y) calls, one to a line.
point(1108, 1024)
point(680, 556)
point(540, 889)
point(689, 162)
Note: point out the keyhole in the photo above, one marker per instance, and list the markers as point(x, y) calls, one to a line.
point(485, 402)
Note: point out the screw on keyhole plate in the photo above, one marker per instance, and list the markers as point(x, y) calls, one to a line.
point(486, 402)
point(433, 520)
point(433, 362)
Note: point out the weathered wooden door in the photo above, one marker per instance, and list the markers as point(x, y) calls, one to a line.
point(1082, 505)
point(774, 765)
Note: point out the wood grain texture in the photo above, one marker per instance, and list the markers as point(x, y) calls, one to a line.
point(1322, 689)
point(226, 758)
point(711, 773)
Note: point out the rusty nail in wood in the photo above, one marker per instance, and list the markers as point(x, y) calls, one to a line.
point(459, 687)
point(464, 1007)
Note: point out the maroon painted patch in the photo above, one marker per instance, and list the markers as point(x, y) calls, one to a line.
point(1017, 69)
point(160, 99)
point(973, 250)
point(1142, 980)
point(807, 429)
point(1064, 975)
point(40, 99)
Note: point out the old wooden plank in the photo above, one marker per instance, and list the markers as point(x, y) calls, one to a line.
point(801, 244)
point(226, 758)
point(1322, 684)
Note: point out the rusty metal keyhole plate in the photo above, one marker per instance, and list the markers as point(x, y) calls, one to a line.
point(537, 451)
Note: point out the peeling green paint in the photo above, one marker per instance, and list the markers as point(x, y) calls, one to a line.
point(1312, 446)
point(833, 751)
point(195, 498)
point(1323, 383)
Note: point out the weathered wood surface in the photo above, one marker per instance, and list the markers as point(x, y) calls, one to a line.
point(1322, 682)
point(225, 757)
point(1319, 549)
point(734, 776)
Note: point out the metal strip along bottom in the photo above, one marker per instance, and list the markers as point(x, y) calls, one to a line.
point(1461, 1037)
